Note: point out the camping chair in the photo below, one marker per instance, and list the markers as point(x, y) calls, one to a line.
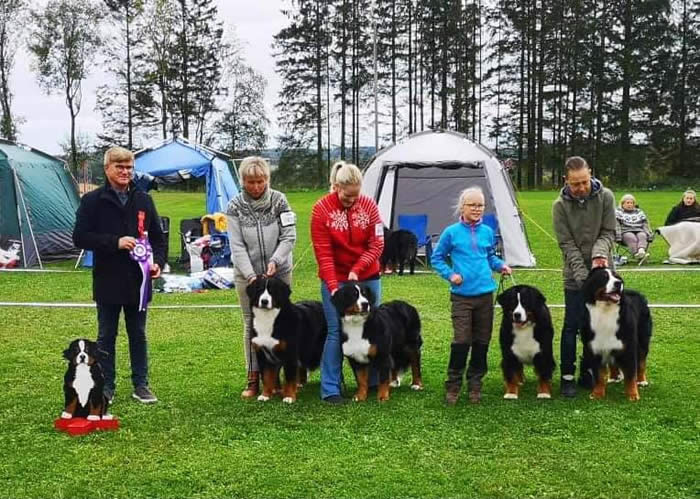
point(219, 247)
point(491, 220)
point(622, 254)
point(418, 224)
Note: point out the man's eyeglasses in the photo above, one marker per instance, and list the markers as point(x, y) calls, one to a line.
point(475, 206)
point(126, 168)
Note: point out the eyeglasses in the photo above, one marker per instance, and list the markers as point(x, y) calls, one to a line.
point(475, 206)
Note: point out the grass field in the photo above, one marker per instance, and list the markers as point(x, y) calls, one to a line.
point(202, 440)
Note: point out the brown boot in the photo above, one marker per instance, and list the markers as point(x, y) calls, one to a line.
point(455, 372)
point(475, 395)
point(253, 387)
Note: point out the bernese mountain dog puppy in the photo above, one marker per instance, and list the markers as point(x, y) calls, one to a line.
point(284, 335)
point(526, 338)
point(83, 383)
point(400, 246)
point(387, 339)
point(616, 332)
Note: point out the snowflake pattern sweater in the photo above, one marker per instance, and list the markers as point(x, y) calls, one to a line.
point(346, 239)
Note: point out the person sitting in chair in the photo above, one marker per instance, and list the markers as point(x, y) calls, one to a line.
point(632, 228)
point(687, 209)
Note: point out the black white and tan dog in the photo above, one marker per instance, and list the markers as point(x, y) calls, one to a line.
point(285, 335)
point(83, 383)
point(526, 338)
point(616, 332)
point(386, 339)
point(400, 247)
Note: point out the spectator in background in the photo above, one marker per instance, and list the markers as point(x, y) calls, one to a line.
point(632, 228)
point(687, 209)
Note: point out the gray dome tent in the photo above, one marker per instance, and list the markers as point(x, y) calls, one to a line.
point(38, 201)
point(424, 174)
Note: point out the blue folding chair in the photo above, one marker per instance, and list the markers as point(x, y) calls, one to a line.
point(418, 224)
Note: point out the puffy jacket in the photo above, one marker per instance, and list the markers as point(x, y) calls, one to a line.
point(585, 229)
point(100, 221)
point(471, 249)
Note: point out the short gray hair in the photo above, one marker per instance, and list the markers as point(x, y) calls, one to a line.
point(254, 166)
point(116, 153)
point(344, 174)
point(465, 194)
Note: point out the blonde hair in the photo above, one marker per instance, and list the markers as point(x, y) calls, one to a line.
point(345, 174)
point(466, 193)
point(333, 172)
point(692, 192)
point(254, 166)
point(626, 197)
point(116, 153)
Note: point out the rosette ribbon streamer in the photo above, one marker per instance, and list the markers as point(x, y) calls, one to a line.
point(142, 254)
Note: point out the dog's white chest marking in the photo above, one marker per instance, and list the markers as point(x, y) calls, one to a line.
point(264, 325)
point(355, 346)
point(525, 346)
point(83, 383)
point(604, 324)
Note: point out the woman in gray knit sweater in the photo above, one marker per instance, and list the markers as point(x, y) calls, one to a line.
point(632, 228)
point(262, 231)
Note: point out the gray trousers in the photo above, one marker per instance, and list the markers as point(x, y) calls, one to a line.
point(251, 360)
point(635, 241)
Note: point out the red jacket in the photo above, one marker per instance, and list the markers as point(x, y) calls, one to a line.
point(346, 240)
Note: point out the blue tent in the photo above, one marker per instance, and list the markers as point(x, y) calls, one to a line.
point(178, 159)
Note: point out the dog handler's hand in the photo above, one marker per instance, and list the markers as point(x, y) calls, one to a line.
point(127, 243)
point(506, 270)
point(155, 271)
point(456, 279)
point(271, 269)
point(352, 276)
point(599, 261)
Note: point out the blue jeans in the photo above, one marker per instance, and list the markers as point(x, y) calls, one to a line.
point(573, 320)
point(332, 359)
point(107, 327)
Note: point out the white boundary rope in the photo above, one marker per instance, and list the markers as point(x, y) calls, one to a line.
point(179, 307)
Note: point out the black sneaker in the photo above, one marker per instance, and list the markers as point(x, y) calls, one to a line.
point(335, 400)
point(109, 395)
point(567, 388)
point(144, 395)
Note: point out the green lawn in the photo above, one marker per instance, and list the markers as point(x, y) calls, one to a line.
point(201, 440)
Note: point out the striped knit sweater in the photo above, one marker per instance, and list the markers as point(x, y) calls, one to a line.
point(346, 239)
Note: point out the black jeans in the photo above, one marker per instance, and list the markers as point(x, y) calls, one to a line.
point(108, 324)
point(573, 320)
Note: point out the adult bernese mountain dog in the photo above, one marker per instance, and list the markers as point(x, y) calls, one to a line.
point(387, 339)
point(83, 383)
point(526, 337)
point(400, 246)
point(616, 332)
point(285, 335)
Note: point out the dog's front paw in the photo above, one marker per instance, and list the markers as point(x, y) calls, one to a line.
point(510, 396)
point(66, 415)
point(416, 387)
point(288, 400)
point(643, 383)
point(107, 417)
point(93, 417)
point(263, 398)
point(544, 395)
point(396, 383)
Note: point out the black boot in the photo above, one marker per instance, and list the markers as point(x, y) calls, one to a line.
point(455, 372)
point(477, 370)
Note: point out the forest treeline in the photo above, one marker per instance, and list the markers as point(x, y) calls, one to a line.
point(615, 81)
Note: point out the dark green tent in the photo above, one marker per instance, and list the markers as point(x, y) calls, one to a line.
point(38, 201)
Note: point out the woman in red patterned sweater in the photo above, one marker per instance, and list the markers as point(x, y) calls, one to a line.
point(348, 238)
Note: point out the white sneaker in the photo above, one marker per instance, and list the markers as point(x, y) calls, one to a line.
point(640, 253)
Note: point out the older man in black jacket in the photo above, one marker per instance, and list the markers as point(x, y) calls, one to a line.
point(117, 222)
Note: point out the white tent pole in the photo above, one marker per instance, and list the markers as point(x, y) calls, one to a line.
point(19, 221)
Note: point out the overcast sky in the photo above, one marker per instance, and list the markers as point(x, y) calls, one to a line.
point(46, 119)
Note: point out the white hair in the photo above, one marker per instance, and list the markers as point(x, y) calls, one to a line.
point(466, 193)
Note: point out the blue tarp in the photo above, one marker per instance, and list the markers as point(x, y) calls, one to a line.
point(181, 158)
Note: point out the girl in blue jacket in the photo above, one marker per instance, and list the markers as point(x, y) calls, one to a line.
point(470, 246)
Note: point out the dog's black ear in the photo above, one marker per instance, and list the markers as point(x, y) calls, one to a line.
point(504, 297)
point(541, 299)
point(367, 291)
point(66, 354)
point(337, 299)
point(252, 288)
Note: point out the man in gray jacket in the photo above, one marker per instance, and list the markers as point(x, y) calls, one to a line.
point(584, 223)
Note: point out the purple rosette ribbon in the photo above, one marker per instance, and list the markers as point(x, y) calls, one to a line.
point(142, 254)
